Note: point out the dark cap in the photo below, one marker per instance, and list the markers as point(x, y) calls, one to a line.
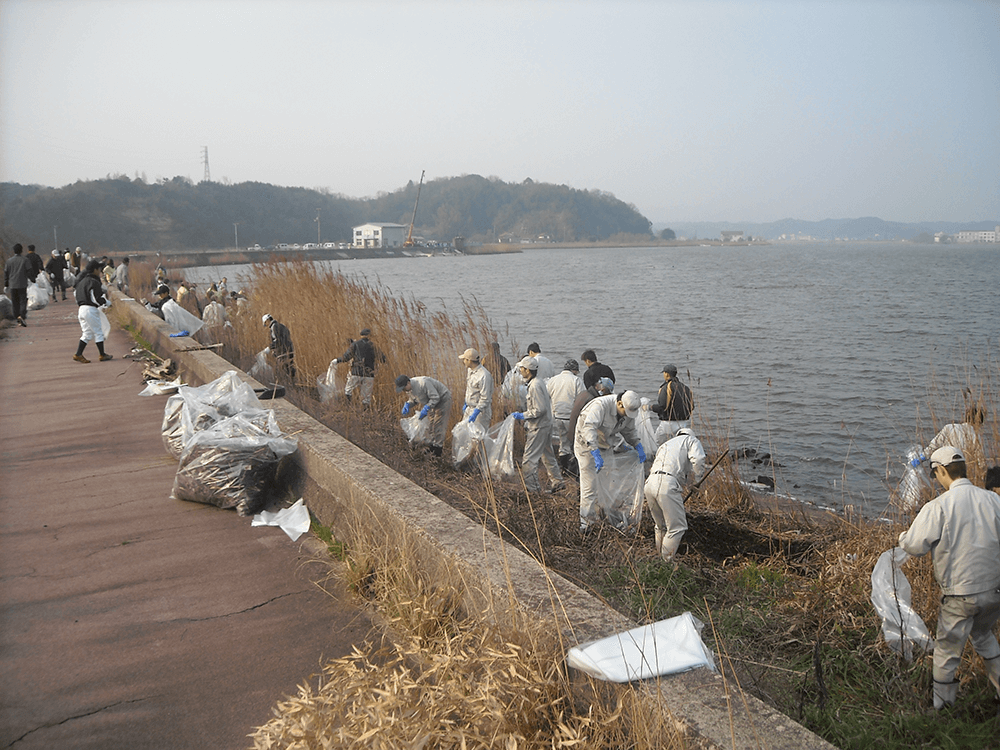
point(163, 289)
point(366, 332)
point(93, 266)
point(572, 365)
point(401, 382)
point(671, 369)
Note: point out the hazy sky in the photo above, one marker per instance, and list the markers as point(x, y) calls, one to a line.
point(692, 111)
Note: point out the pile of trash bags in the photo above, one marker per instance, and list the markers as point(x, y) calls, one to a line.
point(228, 446)
point(38, 292)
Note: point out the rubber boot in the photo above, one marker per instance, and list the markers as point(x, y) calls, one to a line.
point(945, 694)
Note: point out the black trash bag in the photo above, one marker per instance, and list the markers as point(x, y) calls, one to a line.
point(231, 464)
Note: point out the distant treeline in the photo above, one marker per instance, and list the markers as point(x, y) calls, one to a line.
point(119, 214)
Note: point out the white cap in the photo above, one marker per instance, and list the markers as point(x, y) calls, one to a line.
point(632, 403)
point(946, 455)
point(470, 354)
point(265, 318)
point(529, 363)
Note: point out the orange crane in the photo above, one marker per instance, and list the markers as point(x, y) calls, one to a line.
point(409, 237)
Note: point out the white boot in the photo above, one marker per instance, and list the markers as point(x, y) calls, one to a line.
point(659, 539)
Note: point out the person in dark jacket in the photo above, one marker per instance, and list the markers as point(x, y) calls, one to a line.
point(281, 346)
point(674, 404)
point(362, 354)
point(15, 283)
point(56, 269)
point(162, 298)
point(90, 298)
point(35, 263)
point(595, 370)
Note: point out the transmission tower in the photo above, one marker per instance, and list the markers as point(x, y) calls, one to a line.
point(204, 158)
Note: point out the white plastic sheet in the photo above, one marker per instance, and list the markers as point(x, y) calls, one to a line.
point(665, 647)
point(161, 387)
point(293, 520)
point(902, 627)
point(620, 489)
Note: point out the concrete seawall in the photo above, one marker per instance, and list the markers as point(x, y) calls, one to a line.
point(347, 490)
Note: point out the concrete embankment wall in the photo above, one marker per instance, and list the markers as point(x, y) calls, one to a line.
point(348, 490)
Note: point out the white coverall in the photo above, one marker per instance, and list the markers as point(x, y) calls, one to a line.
point(961, 528)
point(678, 461)
point(479, 395)
point(961, 435)
point(563, 390)
point(546, 369)
point(597, 425)
point(426, 391)
point(538, 437)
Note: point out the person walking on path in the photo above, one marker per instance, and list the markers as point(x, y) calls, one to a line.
point(961, 529)
point(595, 370)
point(121, 276)
point(478, 390)
point(362, 354)
point(601, 421)
point(537, 418)
point(563, 390)
point(673, 405)
point(434, 400)
point(90, 298)
point(15, 283)
point(281, 347)
point(678, 462)
point(56, 269)
point(35, 264)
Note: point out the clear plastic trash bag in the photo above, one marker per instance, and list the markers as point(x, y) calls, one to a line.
point(262, 371)
point(231, 465)
point(415, 429)
point(180, 319)
point(499, 449)
point(329, 385)
point(464, 439)
point(647, 432)
point(6, 308)
point(514, 391)
point(902, 627)
point(38, 295)
point(620, 489)
point(193, 409)
point(914, 484)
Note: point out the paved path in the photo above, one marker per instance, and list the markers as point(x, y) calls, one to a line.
point(127, 619)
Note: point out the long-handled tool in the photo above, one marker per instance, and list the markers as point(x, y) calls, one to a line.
point(698, 483)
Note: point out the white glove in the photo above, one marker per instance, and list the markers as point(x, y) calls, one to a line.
point(335, 362)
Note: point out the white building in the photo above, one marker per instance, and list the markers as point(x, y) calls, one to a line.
point(979, 235)
point(379, 235)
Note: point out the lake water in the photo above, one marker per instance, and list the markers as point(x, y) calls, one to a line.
point(823, 355)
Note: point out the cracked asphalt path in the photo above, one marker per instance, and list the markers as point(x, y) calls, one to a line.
point(127, 619)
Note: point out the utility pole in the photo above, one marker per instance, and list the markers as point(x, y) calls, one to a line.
point(236, 233)
point(204, 158)
point(318, 225)
point(55, 237)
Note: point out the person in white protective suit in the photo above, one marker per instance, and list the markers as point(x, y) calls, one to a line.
point(434, 400)
point(679, 462)
point(961, 528)
point(599, 423)
point(563, 390)
point(537, 417)
point(546, 369)
point(964, 436)
point(478, 390)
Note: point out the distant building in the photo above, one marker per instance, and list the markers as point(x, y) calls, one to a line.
point(732, 236)
point(379, 235)
point(979, 235)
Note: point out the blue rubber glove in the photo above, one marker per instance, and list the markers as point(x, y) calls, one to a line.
point(641, 452)
point(917, 461)
point(518, 415)
point(425, 410)
point(464, 407)
point(472, 417)
point(406, 408)
point(598, 459)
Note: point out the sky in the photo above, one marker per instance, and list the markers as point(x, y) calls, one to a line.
point(691, 111)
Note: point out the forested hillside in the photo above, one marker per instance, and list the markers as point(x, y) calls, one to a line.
point(119, 214)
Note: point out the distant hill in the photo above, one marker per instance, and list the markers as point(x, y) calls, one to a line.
point(119, 214)
point(867, 228)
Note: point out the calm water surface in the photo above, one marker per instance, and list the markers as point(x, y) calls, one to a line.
point(823, 355)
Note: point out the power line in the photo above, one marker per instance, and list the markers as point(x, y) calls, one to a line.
point(208, 174)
